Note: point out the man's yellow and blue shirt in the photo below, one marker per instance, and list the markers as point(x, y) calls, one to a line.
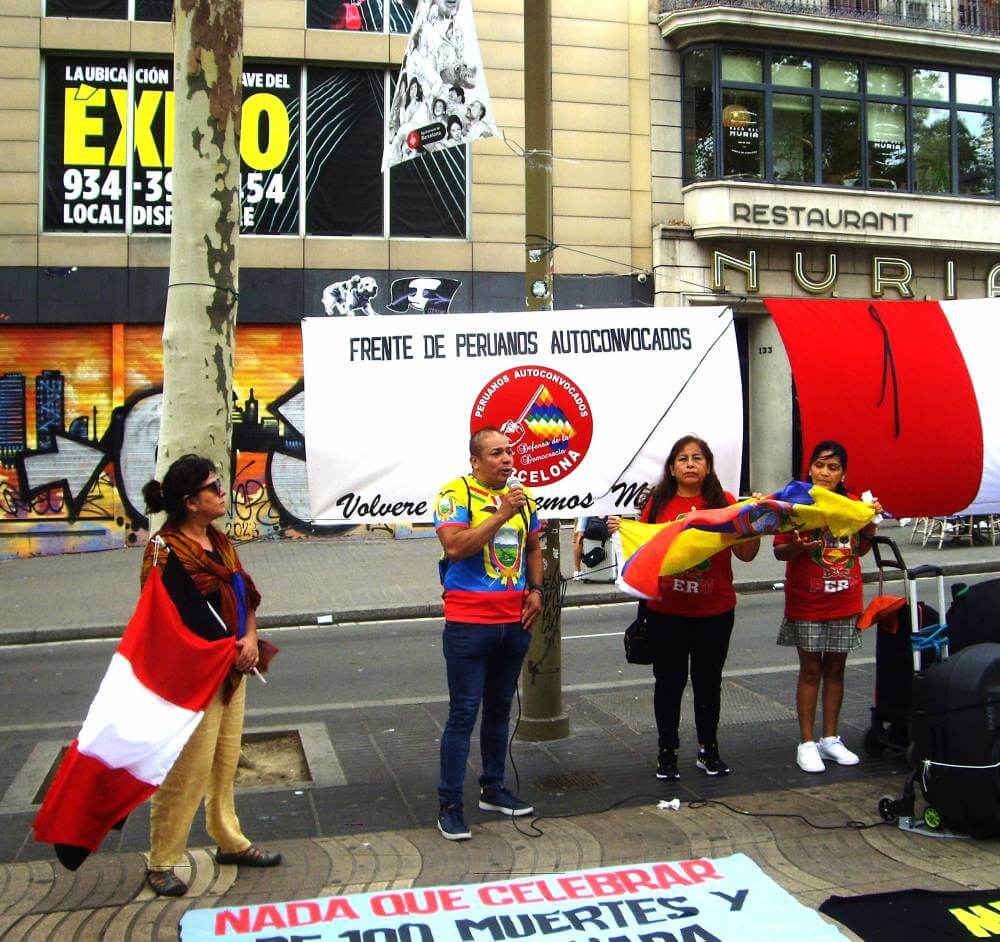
point(487, 587)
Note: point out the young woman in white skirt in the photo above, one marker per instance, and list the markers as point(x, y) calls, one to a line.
point(823, 599)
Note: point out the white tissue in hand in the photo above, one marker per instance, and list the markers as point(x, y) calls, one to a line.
point(869, 498)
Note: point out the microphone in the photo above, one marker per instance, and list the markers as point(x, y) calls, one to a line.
point(513, 480)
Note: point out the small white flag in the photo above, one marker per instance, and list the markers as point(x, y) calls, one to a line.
point(441, 99)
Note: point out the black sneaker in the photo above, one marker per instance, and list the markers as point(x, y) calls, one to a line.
point(498, 798)
point(451, 824)
point(666, 766)
point(710, 762)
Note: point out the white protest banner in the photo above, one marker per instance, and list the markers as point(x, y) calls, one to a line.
point(725, 900)
point(591, 401)
point(441, 99)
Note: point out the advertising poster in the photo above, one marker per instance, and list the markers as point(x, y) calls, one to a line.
point(87, 114)
point(441, 99)
point(269, 150)
point(152, 145)
point(591, 401)
point(86, 108)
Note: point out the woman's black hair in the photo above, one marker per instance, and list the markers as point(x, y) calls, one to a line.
point(832, 449)
point(454, 119)
point(420, 91)
point(711, 488)
point(183, 478)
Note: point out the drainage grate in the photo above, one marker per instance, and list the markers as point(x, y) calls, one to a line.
point(578, 781)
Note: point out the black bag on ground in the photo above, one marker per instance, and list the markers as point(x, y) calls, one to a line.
point(955, 705)
point(974, 615)
point(638, 649)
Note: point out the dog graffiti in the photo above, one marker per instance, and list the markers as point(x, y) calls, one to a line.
point(353, 297)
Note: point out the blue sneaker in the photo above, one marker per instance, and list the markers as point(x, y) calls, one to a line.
point(451, 824)
point(498, 798)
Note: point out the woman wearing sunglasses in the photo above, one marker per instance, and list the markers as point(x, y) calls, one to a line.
point(193, 497)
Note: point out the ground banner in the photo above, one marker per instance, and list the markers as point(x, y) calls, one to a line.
point(725, 900)
point(894, 379)
point(441, 99)
point(591, 401)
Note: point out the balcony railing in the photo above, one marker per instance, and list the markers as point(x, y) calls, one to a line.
point(979, 17)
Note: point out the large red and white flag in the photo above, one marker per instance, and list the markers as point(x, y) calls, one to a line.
point(152, 698)
point(911, 388)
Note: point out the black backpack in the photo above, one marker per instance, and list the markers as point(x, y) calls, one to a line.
point(974, 615)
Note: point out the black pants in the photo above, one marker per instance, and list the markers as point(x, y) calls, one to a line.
point(676, 640)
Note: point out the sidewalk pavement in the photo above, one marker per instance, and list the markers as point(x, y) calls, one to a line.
point(373, 828)
point(91, 595)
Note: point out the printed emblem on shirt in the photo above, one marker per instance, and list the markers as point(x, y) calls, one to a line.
point(503, 555)
point(447, 507)
point(837, 557)
point(837, 553)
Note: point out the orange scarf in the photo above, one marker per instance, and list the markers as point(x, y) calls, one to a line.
point(208, 575)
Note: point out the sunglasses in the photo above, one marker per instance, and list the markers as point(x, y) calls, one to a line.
point(215, 485)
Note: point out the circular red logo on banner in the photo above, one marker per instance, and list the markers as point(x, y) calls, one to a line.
point(413, 140)
point(545, 415)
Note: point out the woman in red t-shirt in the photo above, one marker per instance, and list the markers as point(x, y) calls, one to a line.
point(692, 617)
point(823, 599)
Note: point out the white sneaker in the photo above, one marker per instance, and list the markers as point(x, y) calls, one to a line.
point(832, 747)
point(808, 758)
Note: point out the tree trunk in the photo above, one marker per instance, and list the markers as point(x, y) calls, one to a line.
point(199, 329)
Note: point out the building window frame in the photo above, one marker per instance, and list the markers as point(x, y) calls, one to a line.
point(767, 88)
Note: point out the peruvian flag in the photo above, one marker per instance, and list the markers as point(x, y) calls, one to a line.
point(172, 658)
point(911, 389)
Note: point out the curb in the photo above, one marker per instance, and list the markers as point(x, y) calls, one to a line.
point(104, 632)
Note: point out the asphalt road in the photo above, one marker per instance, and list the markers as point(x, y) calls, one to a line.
point(376, 663)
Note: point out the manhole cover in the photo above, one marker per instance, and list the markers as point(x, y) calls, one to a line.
point(579, 781)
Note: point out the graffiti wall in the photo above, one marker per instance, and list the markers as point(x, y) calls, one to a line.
point(79, 422)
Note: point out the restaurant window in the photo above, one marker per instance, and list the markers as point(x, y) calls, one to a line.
point(791, 117)
point(886, 146)
point(931, 150)
point(699, 124)
point(793, 138)
point(976, 166)
point(840, 127)
point(742, 133)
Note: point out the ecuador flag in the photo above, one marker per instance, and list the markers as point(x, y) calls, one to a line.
point(651, 550)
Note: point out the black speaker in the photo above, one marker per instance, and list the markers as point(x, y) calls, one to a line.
point(956, 725)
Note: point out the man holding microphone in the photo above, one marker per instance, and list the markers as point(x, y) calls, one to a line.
point(491, 570)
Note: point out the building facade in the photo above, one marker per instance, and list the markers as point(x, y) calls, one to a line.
point(703, 153)
point(86, 99)
point(821, 148)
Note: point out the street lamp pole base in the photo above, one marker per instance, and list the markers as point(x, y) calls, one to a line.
point(543, 729)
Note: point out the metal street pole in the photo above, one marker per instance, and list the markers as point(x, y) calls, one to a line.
point(542, 716)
